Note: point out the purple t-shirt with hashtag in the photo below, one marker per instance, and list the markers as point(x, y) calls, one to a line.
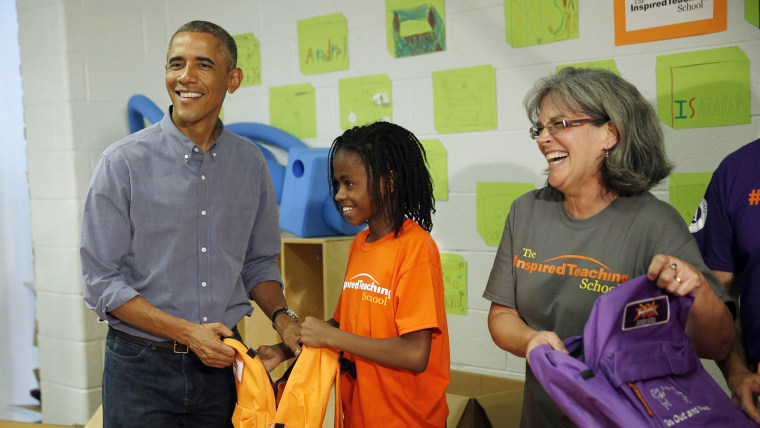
point(727, 229)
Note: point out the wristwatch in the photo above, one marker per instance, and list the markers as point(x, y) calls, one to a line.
point(284, 310)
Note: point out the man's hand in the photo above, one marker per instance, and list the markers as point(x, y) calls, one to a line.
point(745, 388)
point(205, 342)
point(290, 332)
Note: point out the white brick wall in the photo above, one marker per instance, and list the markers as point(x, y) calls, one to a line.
point(82, 60)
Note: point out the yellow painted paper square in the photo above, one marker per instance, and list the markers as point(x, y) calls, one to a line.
point(454, 269)
point(686, 192)
point(535, 22)
point(323, 44)
point(437, 159)
point(493, 202)
point(464, 99)
point(249, 58)
point(364, 100)
point(293, 108)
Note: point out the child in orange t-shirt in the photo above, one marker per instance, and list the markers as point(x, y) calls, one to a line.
point(390, 323)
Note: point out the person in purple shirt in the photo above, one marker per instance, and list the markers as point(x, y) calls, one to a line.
point(180, 229)
point(727, 229)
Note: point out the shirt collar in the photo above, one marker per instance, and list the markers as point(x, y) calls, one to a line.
point(182, 145)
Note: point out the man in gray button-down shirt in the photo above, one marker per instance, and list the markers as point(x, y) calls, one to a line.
point(179, 230)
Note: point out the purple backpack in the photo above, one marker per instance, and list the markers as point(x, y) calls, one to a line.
point(635, 366)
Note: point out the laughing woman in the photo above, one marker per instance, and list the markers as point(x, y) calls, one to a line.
point(592, 227)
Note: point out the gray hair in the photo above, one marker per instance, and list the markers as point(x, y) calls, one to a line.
point(638, 161)
point(229, 47)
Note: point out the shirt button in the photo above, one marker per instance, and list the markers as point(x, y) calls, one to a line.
point(203, 249)
point(213, 153)
point(203, 177)
point(195, 149)
point(203, 284)
point(187, 156)
point(203, 212)
point(205, 319)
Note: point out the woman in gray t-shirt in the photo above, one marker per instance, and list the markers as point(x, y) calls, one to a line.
point(594, 226)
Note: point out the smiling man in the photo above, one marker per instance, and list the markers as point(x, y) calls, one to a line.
point(179, 231)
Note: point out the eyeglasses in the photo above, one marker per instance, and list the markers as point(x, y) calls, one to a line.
point(557, 127)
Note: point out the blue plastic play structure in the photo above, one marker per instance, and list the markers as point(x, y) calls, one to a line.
point(301, 188)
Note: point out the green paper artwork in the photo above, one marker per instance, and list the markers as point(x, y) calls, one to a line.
point(752, 12)
point(437, 160)
point(415, 27)
point(293, 108)
point(705, 88)
point(249, 58)
point(493, 201)
point(607, 64)
point(454, 269)
point(464, 99)
point(686, 192)
point(364, 100)
point(535, 22)
point(323, 44)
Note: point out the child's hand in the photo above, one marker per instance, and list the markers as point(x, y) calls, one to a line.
point(271, 356)
point(316, 333)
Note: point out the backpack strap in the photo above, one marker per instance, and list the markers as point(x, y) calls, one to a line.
point(255, 399)
point(307, 390)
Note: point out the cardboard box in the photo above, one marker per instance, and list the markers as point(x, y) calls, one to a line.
point(481, 401)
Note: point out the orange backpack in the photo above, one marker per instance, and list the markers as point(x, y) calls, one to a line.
point(304, 398)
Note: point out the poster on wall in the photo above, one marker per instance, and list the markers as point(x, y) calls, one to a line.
point(249, 58)
point(323, 44)
point(464, 99)
point(365, 99)
point(438, 165)
point(536, 22)
point(415, 27)
point(686, 191)
point(752, 12)
point(293, 108)
point(638, 21)
point(454, 270)
point(493, 200)
point(704, 88)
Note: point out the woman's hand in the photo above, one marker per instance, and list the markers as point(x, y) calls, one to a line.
point(675, 275)
point(545, 338)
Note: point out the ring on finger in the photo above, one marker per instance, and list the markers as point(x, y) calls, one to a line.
point(678, 279)
point(673, 266)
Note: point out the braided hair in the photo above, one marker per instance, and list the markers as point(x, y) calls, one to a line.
point(399, 183)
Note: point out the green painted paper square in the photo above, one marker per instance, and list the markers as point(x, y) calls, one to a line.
point(249, 58)
point(293, 108)
point(437, 159)
point(464, 99)
point(704, 88)
point(323, 44)
point(752, 12)
point(454, 269)
point(493, 200)
point(415, 27)
point(365, 99)
point(686, 192)
point(535, 22)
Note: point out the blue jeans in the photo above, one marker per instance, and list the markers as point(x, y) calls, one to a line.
point(149, 386)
